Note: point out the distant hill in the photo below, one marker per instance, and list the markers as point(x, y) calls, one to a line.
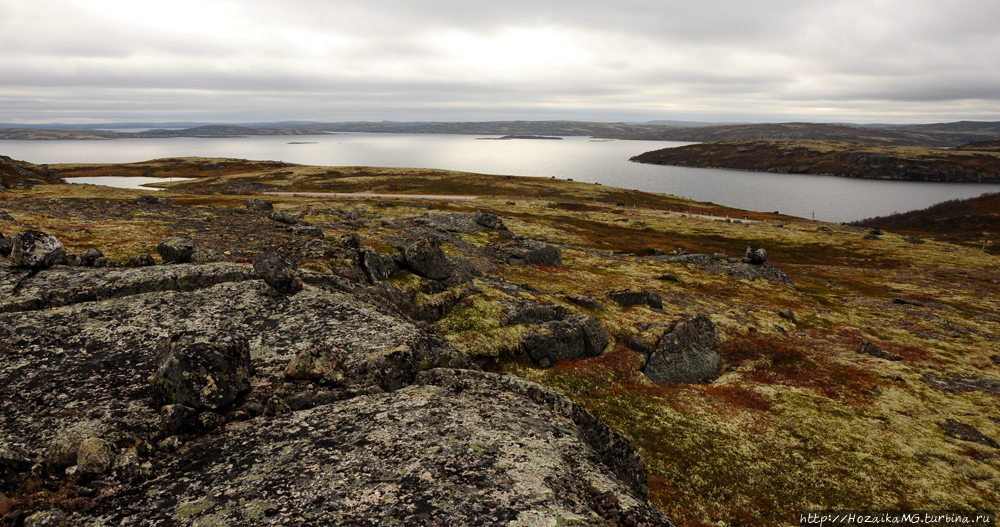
point(834, 158)
point(936, 135)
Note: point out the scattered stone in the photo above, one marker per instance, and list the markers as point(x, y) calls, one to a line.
point(511, 203)
point(914, 239)
point(874, 231)
point(170, 444)
point(210, 421)
point(636, 344)
point(532, 313)
point(211, 166)
point(49, 518)
point(175, 418)
point(259, 205)
point(960, 430)
point(36, 250)
point(202, 373)
point(351, 241)
point(628, 298)
point(63, 450)
point(91, 256)
point(533, 252)
point(452, 222)
point(425, 258)
point(587, 302)
point(140, 260)
point(686, 353)
point(787, 314)
point(286, 216)
point(667, 277)
point(823, 229)
point(277, 273)
point(95, 456)
point(871, 237)
point(176, 249)
point(756, 255)
point(870, 348)
point(489, 220)
point(153, 200)
point(4, 216)
point(575, 337)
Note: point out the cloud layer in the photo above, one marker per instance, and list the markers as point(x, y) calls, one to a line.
point(262, 60)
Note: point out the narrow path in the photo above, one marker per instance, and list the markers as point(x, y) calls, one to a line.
point(362, 195)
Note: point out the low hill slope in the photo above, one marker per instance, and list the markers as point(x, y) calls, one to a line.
point(973, 222)
point(834, 158)
point(20, 174)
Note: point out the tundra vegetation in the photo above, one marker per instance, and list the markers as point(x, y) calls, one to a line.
point(805, 413)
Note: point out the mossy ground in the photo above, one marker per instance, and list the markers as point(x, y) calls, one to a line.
point(798, 418)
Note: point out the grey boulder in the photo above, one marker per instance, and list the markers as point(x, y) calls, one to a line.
point(277, 273)
point(259, 205)
point(686, 353)
point(36, 250)
point(756, 255)
point(574, 337)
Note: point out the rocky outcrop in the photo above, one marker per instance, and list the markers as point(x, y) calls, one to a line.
point(425, 258)
point(532, 313)
point(574, 337)
point(531, 252)
point(286, 216)
point(489, 219)
point(868, 347)
point(347, 401)
point(685, 353)
point(756, 255)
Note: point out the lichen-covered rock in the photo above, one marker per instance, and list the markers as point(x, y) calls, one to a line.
point(686, 354)
point(176, 249)
point(458, 448)
point(91, 255)
point(756, 255)
point(637, 344)
point(629, 298)
point(140, 260)
point(319, 363)
point(259, 205)
point(286, 216)
point(153, 200)
point(489, 219)
point(49, 518)
point(203, 373)
point(94, 456)
point(453, 222)
point(425, 258)
point(36, 250)
point(126, 466)
point(63, 449)
point(277, 273)
point(575, 337)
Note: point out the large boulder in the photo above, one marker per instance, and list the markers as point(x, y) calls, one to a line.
point(686, 353)
point(537, 253)
point(277, 273)
point(286, 216)
point(36, 250)
point(177, 249)
point(425, 258)
point(91, 255)
point(377, 265)
point(94, 456)
point(574, 337)
point(202, 373)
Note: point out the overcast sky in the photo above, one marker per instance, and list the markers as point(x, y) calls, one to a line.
point(606, 60)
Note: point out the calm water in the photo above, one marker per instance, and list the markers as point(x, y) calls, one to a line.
point(579, 158)
point(138, 182)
